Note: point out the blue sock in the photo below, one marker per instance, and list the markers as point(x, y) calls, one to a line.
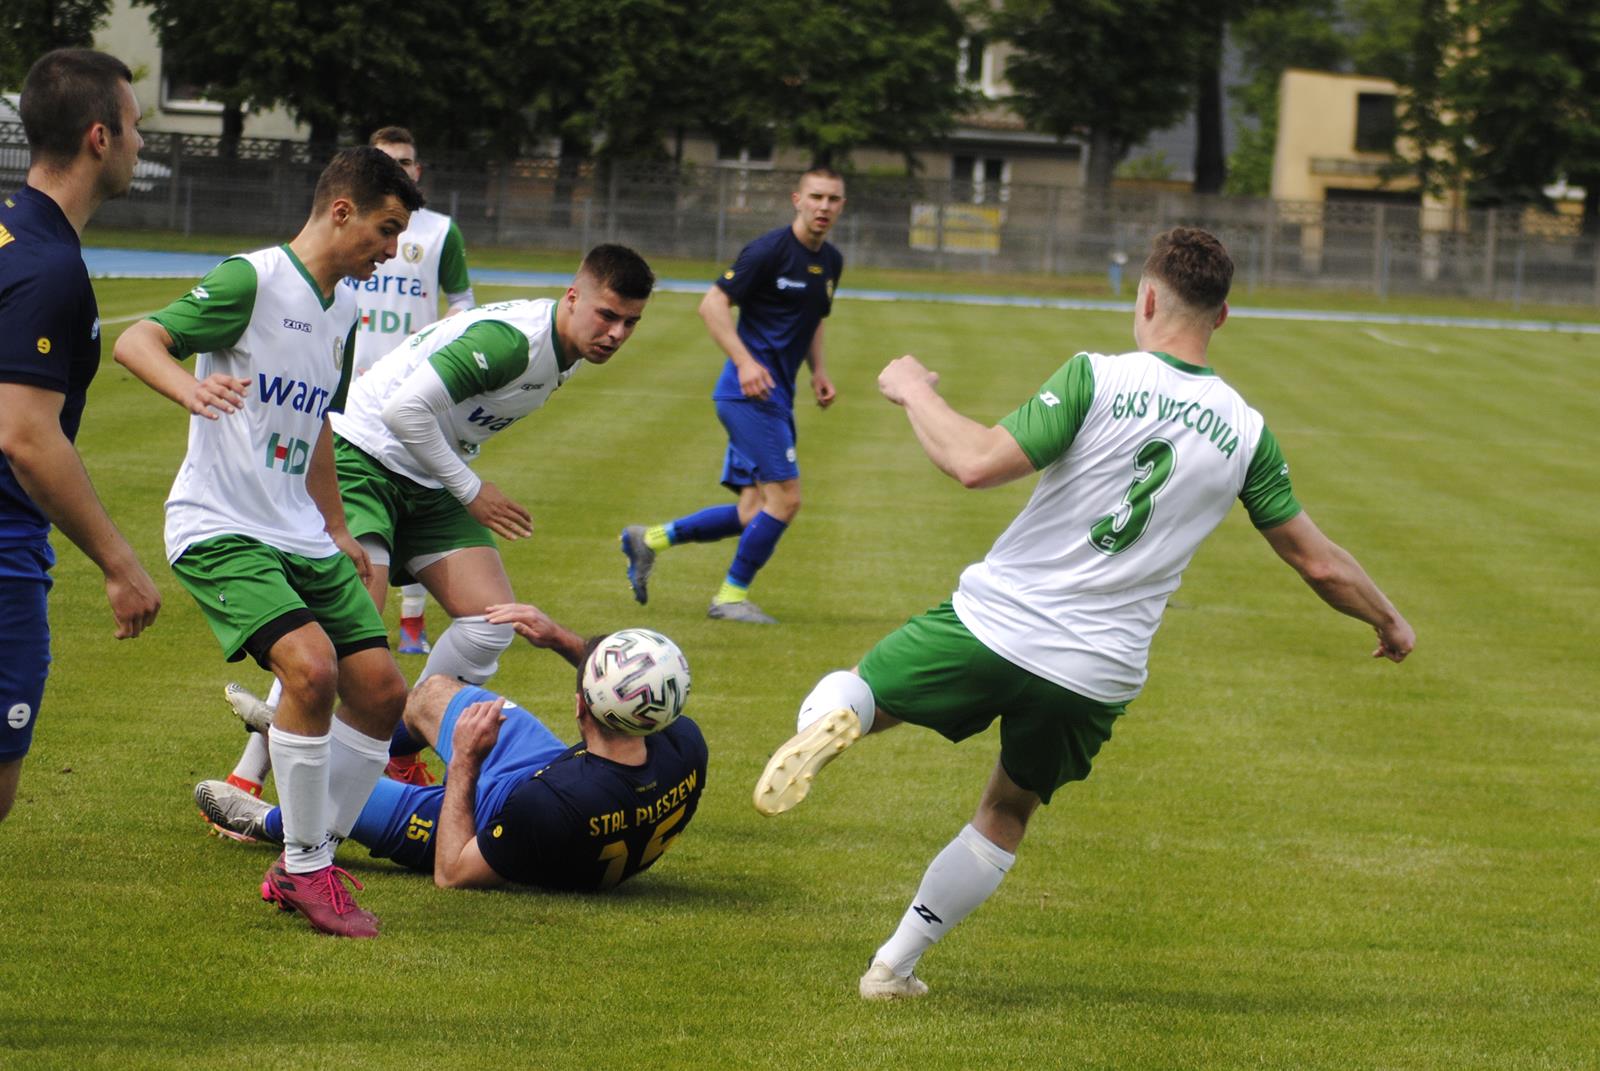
point(403, 743)
point(707, 526)
point(760, 539)
point(274, 824)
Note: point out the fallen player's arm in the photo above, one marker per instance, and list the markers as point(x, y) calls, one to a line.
point(457, 862)
point(538, 628)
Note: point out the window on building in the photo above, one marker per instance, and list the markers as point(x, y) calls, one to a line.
point(1375, 122)
point(973, 48)
point(180, 90)
point(736, 154)
point(984, 178)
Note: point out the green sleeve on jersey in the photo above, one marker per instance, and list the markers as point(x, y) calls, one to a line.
point(339, 396)
point(486, 357)
point(453, 277)
point(1045, 425)
point(214, 315)
point(1267, 494)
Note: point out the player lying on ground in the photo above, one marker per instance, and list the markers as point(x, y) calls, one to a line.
point(1140, 457)
point(517, 805)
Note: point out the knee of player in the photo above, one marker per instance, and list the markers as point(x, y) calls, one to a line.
point(784, 505)
point(314, 683)
point(427, 700)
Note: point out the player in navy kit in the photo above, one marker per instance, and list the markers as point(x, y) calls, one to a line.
point(80, 115)
point(517, 805)
point(783, 283)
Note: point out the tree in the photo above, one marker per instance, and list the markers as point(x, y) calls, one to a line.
point(30, 28)
point(336, 68)
point(1526, 94)
point(1111, 71)
point(831, 77)
point(1271, 40)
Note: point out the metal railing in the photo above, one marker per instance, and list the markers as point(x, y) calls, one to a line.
point(196, 184)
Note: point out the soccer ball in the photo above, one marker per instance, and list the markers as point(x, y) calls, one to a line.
point(636, 681)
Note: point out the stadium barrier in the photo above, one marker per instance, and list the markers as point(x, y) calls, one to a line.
point(196, 184)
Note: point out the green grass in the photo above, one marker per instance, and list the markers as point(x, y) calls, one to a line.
point(1289, 856)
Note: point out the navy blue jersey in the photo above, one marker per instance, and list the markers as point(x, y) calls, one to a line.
point(584, 823)
point(49, 331)
point(783, 291)
point(580, 824)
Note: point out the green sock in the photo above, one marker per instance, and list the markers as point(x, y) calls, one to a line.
point(732, 593)
point(656, 538)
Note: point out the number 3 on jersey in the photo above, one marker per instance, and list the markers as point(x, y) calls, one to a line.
point(1153, 465)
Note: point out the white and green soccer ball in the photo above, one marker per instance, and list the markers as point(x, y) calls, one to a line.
point(636, 681)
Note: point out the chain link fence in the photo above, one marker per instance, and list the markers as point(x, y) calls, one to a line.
point(194, 184)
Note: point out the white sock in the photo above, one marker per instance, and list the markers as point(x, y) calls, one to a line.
point(355, 763)
point(274, 694)
point(256, 760)
point(413, 600)
point(469, 650)
point(837, 690)
point(301, 763)
point(959, 879)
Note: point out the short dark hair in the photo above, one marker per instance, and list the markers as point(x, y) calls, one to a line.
point(822, 171)
point(1194, 264)
point(619, 269)
point(392, 135)
point(66, 92)
point(366, 176)
point(588, 652)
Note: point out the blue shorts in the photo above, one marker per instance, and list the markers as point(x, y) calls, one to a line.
point(760, 442)
point(24, 660)
point(524, 748)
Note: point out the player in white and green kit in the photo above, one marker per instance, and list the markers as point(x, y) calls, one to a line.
point(255, 529)
point(412, 427)
point(1140, 457)
point(417, 420)
point(404, 298)
point(401, 298)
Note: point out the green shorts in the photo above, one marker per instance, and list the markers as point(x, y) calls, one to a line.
point(253, 595)
point(933, 672)
point(412, 519)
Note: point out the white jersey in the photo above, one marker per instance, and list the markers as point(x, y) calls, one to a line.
point(402, 296)
point(505, 368)
point(1142, 455)
point(259, 317)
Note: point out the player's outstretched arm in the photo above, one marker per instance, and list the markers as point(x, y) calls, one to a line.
point(50, 470)
point(538, 628)
point(1336, 576)
point(143, 350)
point(975, 455)
point(457, 862)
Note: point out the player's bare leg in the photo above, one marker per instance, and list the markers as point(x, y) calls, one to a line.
point(466, 583)
point(10, 775)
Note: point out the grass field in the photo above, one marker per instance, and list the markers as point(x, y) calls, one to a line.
point(1289, 856)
